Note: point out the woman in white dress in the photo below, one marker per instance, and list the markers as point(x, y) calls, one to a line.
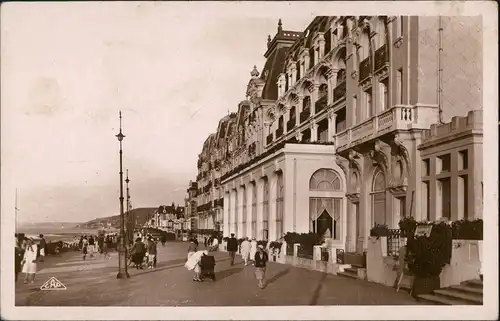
point(253, 249)
point(29, 261)
point(246, 246)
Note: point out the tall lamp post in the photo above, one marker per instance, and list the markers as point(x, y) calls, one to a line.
point(129, 232)
point(122, 250)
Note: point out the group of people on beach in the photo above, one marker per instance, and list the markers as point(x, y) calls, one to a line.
point(249, 250)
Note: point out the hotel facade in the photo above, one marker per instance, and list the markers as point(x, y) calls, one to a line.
point(345, 128)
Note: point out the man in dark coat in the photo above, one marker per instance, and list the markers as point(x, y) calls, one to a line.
point(232, 247)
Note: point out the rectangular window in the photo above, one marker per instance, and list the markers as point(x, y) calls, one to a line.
point(368, 103)
point(463, 192)
point(426, 200)
point(399, 89)
point(402, 207)
point(463, 161)
point(443, 163)
point(379, 216)
point(384, 94)
point(444, 197)
point(426, 167)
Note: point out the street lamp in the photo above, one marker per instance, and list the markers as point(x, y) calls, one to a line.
point(128, 234)
point(122, 250)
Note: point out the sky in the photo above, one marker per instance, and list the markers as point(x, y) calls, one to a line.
point(68, 68)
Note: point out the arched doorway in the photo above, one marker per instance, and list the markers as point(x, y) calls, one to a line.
point(325, 203)
point(379, 198)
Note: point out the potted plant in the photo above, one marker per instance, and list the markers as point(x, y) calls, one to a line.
point(427, 256)
point(407, 225)
point(379, 230)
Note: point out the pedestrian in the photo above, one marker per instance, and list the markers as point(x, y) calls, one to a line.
point(42, 247)
point(80, 244)
point(163, 239)
point(91, 246)
point(193, 263)
point(253, 249)
point(232, 247)
point(29, 261)
point(215, 244)
point(19, 254)
point(261, 259)
point(100, 243)
point(105, 247)
point(85, 247)
point(245, 250)
point(151, 248)
point(206, 241)
point(193, 247)
point(139, 251)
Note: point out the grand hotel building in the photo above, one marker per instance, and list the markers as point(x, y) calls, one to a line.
point(331, 134)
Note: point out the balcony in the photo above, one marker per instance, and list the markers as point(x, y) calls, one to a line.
point(279, 132)
point(291, 124)
point(269, 139)
point(339, 91)
point(381, 57)
point(400, 117)
point(304, 115)
point(321, 104)
point(364, 69)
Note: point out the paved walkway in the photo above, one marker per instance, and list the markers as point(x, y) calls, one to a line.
point(94, 283)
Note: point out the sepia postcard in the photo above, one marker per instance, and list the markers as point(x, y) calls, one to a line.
point(264, 160)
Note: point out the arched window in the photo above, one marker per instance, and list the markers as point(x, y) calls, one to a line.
point(279, 205)
point(378, 198)
point(325, 180)
point(266, 209)
point(364, 50)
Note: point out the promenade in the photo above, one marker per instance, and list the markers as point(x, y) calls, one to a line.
point(93, 283)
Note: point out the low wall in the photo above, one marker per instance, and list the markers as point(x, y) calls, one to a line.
point(465, 263)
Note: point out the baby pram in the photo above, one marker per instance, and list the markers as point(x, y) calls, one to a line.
point(207, 265)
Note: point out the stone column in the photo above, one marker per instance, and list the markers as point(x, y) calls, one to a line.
point(314, 89)
point(321, 46)
point(332, 83)
point(272, 206)
point(314, 132)
point(306, 62)
point(331, 126)
point(249, 190)
point(294, 74)
point(298, 108)
point(260, 208)
point(234, 212)
point(286, 117)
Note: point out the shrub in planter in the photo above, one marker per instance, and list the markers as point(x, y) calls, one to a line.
point(407, 225)
point(307, 242)
point(225, 238)
point(275, 247)
point(467, 230)
point(427, 256)
point(291, 238)
point(379, 230)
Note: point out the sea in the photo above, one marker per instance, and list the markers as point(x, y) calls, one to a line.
point(58, 233)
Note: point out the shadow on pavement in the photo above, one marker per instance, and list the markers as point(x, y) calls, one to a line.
point(161, 266)
point(314, 299)
point(278, 275)
point(227, 273)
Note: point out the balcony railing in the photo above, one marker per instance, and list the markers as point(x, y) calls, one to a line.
point(399, 117)
point(321, 104)
point(364, 69)
point(339, 91)
point(381, 57)
point(304, 115)
point(269, 139)
point(291, 124)
point(279, 132)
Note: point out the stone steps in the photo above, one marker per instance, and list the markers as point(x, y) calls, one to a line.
point(467, 293)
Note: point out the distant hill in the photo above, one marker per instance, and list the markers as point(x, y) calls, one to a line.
point(141, 216)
